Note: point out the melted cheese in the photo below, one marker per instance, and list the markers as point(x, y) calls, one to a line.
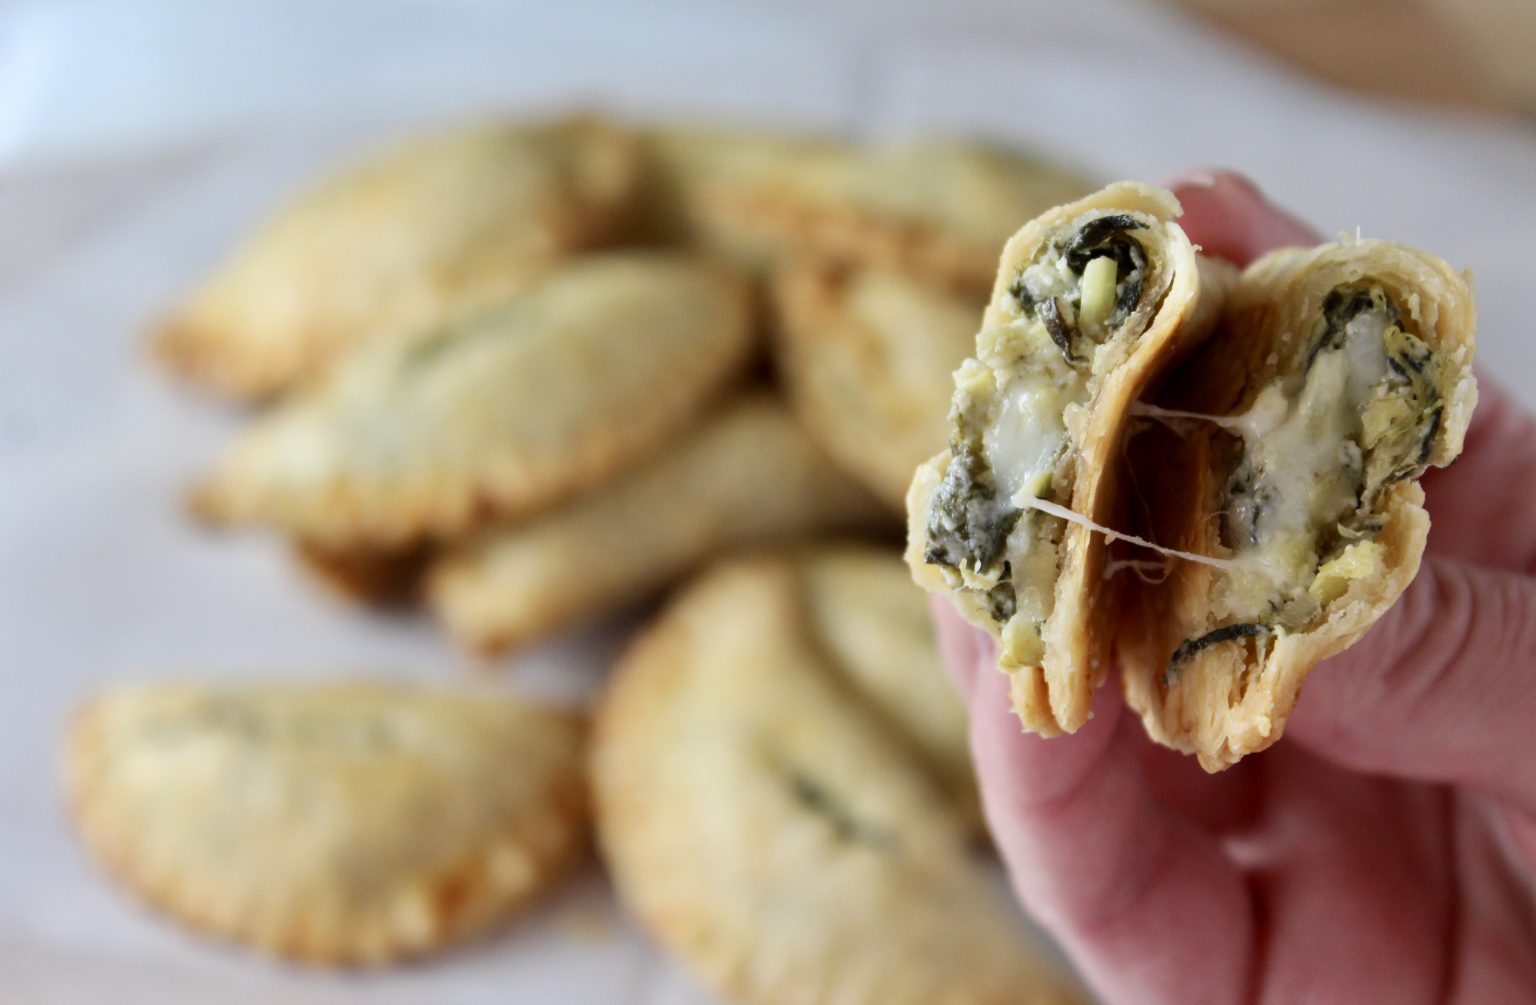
point(1071, 516)
point(1027, 434)
point(1311, 459)
point(1308, 468)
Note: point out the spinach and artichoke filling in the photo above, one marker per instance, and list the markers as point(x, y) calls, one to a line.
point(1318, 450)
point(1008, 442)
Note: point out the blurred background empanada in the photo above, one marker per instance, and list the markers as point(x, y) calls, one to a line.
point(773, 830)
point(337, 823)
point(497, 414)
point(748, 476)
point(866, 357)
point(397, 244)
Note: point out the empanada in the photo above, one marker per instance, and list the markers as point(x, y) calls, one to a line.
point(864, 614)
point(398, 244)
point(765, 823)
point(340, 823)
point(499, 414)
point(1092, 301)
point(1340, 373)
point(746, 476)
point(866, 357)
point(938, 208)
point(693, 178)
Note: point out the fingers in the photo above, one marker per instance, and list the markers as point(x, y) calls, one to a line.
point(1350, 875)
point(1440, 689)
point(1481, 512)
point(1146, 904)
point(1230, 218)
point(961, 645)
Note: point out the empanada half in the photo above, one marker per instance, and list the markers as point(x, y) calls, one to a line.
point(1093, 300)
point(1299, 433)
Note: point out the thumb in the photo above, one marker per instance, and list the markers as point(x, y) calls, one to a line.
point(1229, 217)
point(1441, 689)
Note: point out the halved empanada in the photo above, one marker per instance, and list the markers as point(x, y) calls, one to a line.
point(867, 357)
point(501, 413)
point(341, 823)
point(768, 826)
point(398, 244)
point(1341, 372)
point(746, 476)
point(1093, 300)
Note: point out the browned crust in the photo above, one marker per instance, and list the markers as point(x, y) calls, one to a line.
point(848, 234)
point(386, 579)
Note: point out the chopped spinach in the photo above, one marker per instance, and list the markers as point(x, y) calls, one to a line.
point(1189, 647)
point(1020, 293)
point(1094, 236)
point(1431, 430)
point(968, 525)
point(1341, 306)
point(1002, 601)
point(1104, 236)
point(1056, 328)
point(1407, 414)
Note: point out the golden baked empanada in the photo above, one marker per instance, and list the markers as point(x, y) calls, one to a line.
point(499, 414)
point(867, 357)
point(745, 476)
point(397, 245)
point(339, 823)
point(766, 824)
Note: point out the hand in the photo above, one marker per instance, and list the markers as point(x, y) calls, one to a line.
point(1385, 850)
